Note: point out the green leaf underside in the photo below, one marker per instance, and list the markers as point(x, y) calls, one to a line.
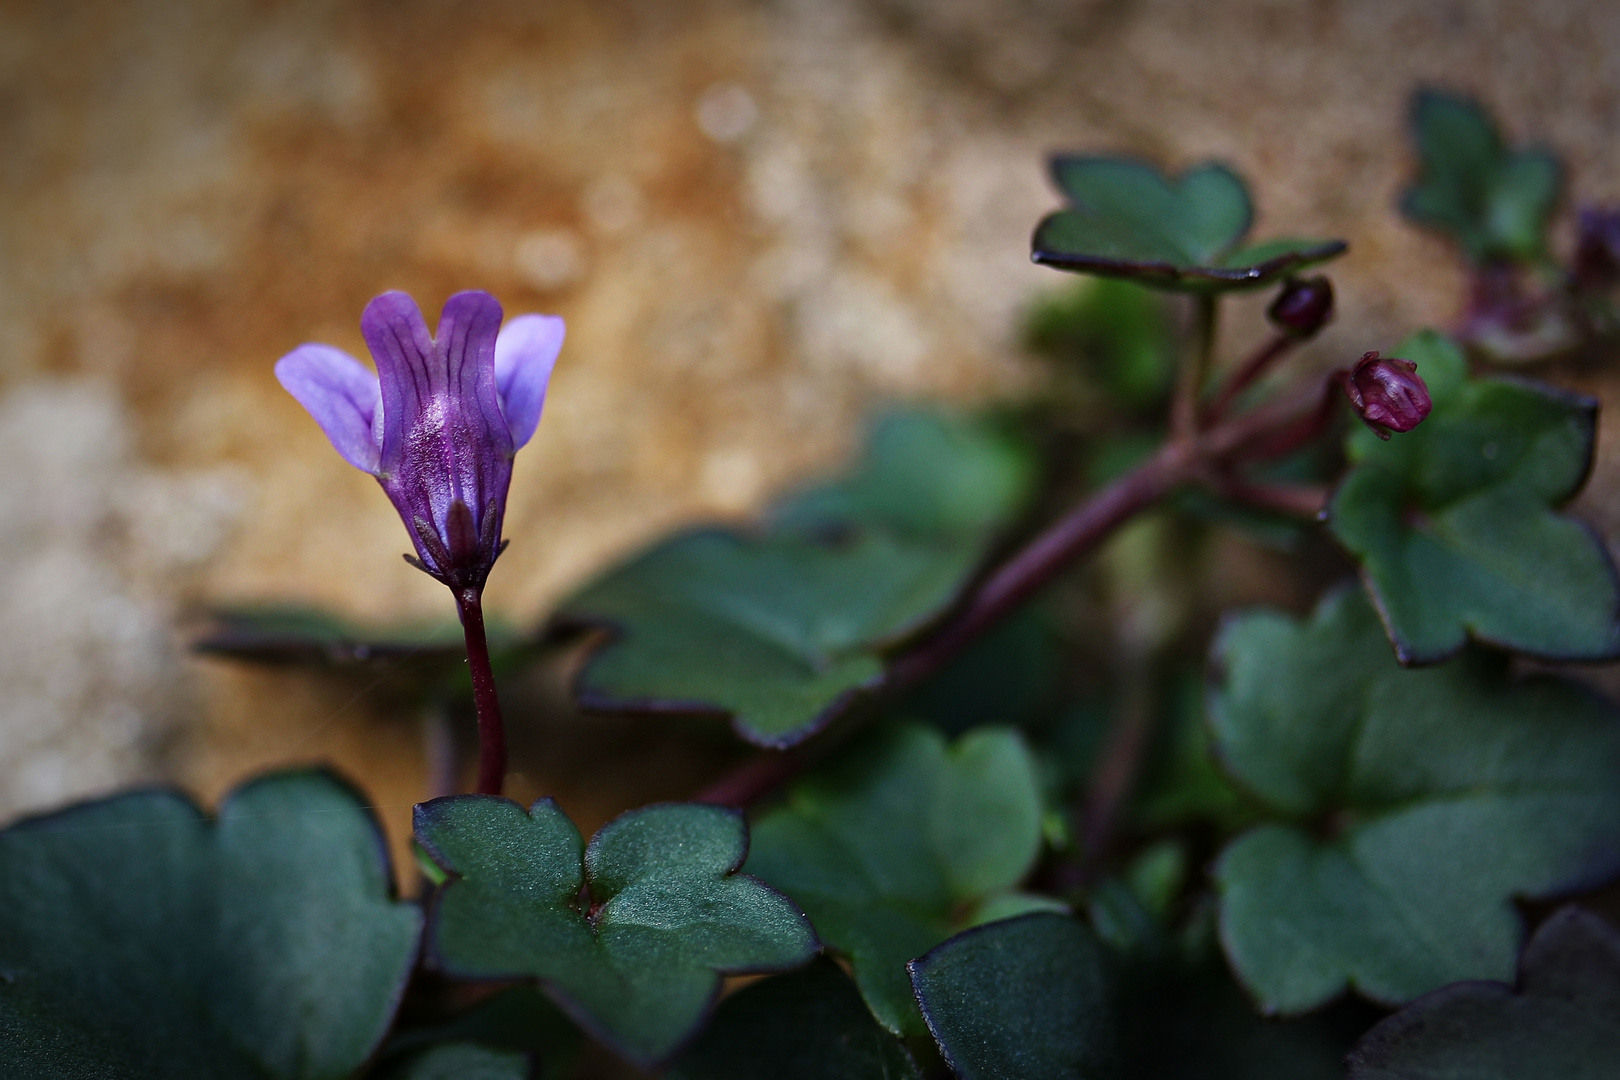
point(1563, 1020)
point(143, 940)
point(668, 912)
point(810, 1025)
point(901, 842)
point(1128, 220)
point(777, 628)
point(464, 1061)
point(1494, 201)
point(1037, 998)
point(297, 635)
point(1453, 523)
point(1445, 793)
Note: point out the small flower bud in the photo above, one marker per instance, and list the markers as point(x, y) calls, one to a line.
point(1387, 394)
point(1303, 307)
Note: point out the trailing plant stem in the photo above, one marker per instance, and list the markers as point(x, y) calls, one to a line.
point(1209, 457)
point(1264, 357)
point(491, 729)
point(1028, 571)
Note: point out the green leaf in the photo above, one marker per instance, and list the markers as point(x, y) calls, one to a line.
point(141, 939)
point(520, 1019)
point(899, 843)
point(1562, 1021)
point(638, 960)
point(1182, 784)
point(1128, 220)
point(463, 1061)
point(1037, 998)
point(779, 629)
point(1454, 525)
point(1410, 807)
point(810, 1025)
point(421, 659)
point(1494, 201)
point(1022, 999)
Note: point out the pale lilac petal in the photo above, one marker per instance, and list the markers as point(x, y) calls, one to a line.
point(342, 395)
point(524, 355)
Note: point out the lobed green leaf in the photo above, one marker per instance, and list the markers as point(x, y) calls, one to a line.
point(1128, 220)
point(778, 629)
point(630, 935)
point(902, 841)
point(142, 940)
point(1562, 1020)
point(1494, 201)
point(1454, 522)
point(1409, 808)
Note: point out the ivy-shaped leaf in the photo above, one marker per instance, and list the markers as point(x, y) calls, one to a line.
point(1494, 201)
point(142, 940)
point(901, 842)
point(629, 935)
point(1128, 220)
point(1563, 1019)
point(1410, 807)
point(1038, 998)
point(1454, 522)
point(779, 628)
point(810, 1025)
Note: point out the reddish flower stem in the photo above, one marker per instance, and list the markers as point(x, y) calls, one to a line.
point(1043, 558)
point(1252, 368)
point(1203, 457)
point(491, 729)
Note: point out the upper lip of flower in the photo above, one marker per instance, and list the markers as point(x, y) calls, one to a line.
point(439, 422)
point(346, 398)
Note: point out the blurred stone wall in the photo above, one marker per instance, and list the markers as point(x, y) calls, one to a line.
point(758, 218)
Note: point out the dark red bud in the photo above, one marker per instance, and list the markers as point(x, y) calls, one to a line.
point(1303, 307)
point(1387, 394)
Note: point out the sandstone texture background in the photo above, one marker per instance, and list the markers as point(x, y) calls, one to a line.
point(760, 219)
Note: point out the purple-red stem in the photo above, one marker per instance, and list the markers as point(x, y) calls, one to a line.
point(1251, 369)
point(1202, 456)
point(1020, 577)
point(491, 729)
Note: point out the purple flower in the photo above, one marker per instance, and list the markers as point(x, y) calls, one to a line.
point(438, 423)
point(1387, 394)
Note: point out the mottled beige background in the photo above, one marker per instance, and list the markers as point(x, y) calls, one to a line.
point(758, 218)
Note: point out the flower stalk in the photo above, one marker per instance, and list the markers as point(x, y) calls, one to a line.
point(491, 727)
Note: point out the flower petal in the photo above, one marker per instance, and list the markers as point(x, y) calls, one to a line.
point(467, 330)
point(342, 395)
point(398, 339)
point(525, 352)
